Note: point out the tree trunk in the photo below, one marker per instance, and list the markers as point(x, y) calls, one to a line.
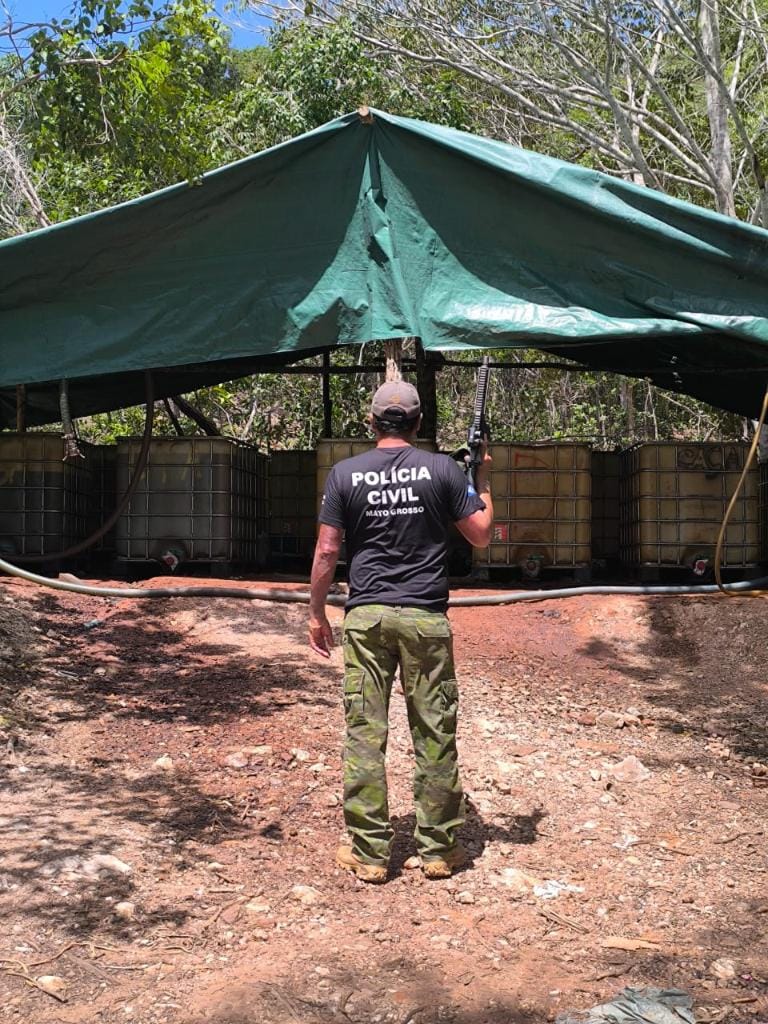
point(627, 398)
point(393, 353)
point(204, 422)
point(717, 110)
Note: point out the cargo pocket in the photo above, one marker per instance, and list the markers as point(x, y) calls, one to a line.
point(353, 694)
point(361, 622)
point(435, 646)
point(450, 704)
point(434, 628)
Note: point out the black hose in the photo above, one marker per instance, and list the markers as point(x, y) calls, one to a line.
point(106, 526)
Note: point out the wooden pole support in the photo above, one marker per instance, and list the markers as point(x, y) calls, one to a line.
point(426, 385)
point(21, 408)
point(393, 354)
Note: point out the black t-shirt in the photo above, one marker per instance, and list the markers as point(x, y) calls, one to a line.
point(394, 505)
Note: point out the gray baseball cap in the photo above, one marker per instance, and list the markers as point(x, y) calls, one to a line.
point(396, 400)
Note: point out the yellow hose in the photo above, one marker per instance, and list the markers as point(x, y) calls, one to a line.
point(732, 504)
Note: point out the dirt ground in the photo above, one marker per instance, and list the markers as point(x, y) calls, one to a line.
point(170, 809)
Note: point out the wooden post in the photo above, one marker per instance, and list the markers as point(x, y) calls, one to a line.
point(426, 385)
point(393, 354)
point(327, 407)
point(21, 408)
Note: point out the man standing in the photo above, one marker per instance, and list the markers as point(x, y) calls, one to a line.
point(394, 505)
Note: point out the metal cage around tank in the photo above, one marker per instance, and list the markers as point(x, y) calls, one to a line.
point(206, 496)
point(606, 504)
point(542, 504)
point(46, 504)
point(673, 499)
point(292, 505)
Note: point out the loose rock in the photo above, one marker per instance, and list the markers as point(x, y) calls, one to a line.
point(104, 864)
point(631, 769)
point(239, 759)
point(723, 969)
point(257, 907)
point(611, 719)
point(125, 910)
point(306, 894)
point(518, 881)
point(53, 985)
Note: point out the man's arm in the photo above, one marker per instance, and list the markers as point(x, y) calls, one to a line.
point(477, 528)
point(323, 568)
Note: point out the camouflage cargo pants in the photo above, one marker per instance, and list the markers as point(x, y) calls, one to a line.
point(377, 640)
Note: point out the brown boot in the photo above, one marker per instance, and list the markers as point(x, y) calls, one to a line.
point(444, 865)
point(347, 858)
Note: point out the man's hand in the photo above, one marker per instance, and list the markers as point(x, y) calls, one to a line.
point(323, 567)
point(483, 467)
point(320, 635)
point(483, 470)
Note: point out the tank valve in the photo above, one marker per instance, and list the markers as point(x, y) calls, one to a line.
point(700, 565)
point(531, 566)
point(172, 555)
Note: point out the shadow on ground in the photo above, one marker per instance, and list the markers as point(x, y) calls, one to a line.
point(476, 834)
point(145, 657)
point(361, 997)
point(702, 666)
point(140, 666)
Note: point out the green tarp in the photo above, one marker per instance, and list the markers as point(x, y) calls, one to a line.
point(362, 231)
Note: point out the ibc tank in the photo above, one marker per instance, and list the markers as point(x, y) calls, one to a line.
point(674, 497)
point(199, 499)
point(606, 474)
point(46, 504)
point(104, 461)
point(292, 503)
point(541, 498)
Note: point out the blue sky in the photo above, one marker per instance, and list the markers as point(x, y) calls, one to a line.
point(247, 30)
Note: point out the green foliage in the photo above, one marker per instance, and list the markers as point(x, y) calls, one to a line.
point(306, 78)
point(124, 100)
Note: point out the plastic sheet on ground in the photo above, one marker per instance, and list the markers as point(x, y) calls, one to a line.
point(637, 1006)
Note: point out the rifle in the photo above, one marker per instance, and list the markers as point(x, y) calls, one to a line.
point(478, 429)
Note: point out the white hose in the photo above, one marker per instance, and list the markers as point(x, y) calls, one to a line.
point(339, 600)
